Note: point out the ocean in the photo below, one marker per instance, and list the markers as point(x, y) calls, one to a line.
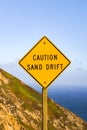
point(74, 99)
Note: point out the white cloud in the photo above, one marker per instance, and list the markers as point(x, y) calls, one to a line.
point(75, 77)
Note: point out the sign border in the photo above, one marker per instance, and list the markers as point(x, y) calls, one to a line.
point(32, 49)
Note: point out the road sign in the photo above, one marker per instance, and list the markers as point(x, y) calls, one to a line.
point(44, 62)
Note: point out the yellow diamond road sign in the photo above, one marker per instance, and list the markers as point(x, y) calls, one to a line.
point(44, 62)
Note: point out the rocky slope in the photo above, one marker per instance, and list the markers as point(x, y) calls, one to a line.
point(21, 108)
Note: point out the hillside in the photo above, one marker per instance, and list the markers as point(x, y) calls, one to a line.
point(21, 108)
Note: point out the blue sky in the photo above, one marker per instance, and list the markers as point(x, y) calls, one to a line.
point(64, 22)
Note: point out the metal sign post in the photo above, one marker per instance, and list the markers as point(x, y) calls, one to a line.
point(44, 111)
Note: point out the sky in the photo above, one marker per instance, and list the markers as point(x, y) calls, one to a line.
point(23, 23)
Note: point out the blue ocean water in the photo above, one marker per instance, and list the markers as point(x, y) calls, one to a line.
point(73, 99)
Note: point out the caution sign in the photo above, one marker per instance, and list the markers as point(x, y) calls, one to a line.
point(44, 62)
